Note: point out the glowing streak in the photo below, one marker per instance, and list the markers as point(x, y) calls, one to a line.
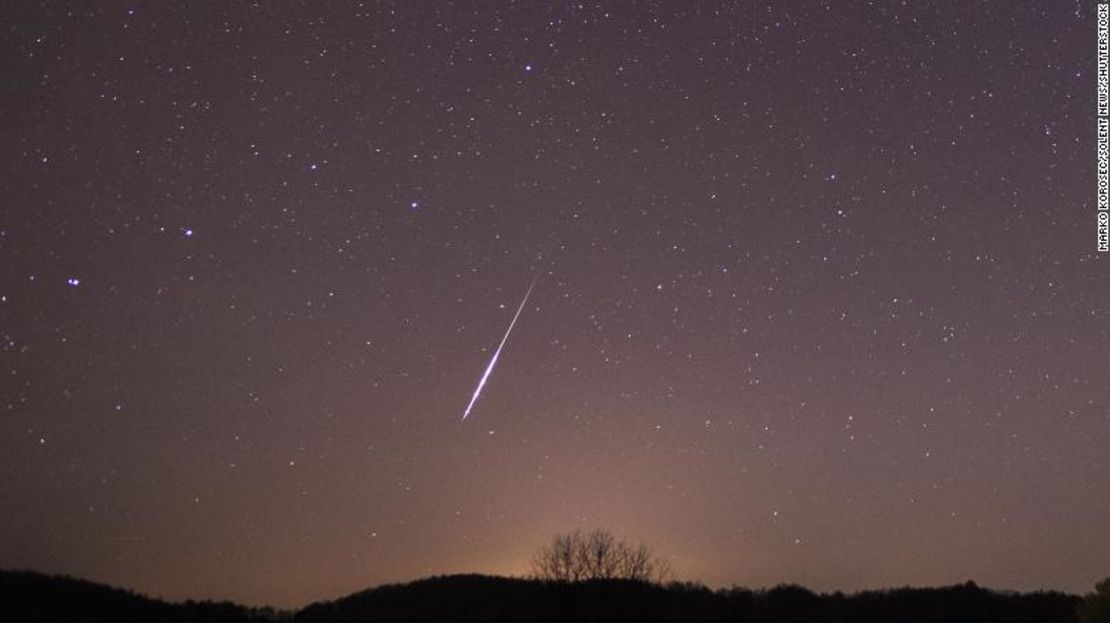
point(497, 353)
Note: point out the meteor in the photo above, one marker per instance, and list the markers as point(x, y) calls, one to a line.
point(497, 353)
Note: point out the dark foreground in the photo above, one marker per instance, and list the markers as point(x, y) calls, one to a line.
point(28, 596)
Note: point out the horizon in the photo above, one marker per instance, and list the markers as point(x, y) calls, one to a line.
point(527, 578)
point(816, 294)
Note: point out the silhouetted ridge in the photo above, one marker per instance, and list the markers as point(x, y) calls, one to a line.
point(485, 598)
point(32, 596)
point(28, 596)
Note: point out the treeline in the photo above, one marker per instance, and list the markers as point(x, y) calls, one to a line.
point(31, 596)
point(28, 596)
point(485, 598)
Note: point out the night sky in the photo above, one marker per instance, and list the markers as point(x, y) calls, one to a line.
point(818, 295)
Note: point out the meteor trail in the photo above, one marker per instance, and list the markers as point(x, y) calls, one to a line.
point(497, 353)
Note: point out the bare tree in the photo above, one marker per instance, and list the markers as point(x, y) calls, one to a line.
point(597, 555)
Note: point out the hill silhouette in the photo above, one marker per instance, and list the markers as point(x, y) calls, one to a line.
point(32, 596)
point(487, 598)
point(29, 596)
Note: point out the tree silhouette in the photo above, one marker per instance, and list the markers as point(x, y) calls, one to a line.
point(597, 555)
point(1096, 606)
